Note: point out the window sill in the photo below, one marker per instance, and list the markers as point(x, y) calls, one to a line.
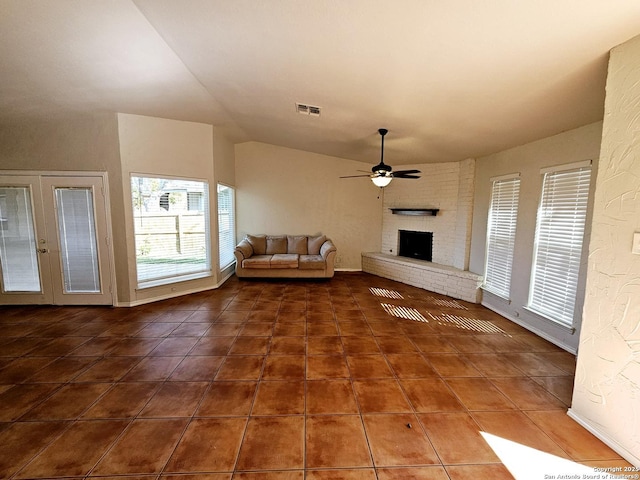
point(556, 323)
point(495, 294)
point(168, 281)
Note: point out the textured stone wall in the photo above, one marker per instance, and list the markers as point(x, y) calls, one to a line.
point(607, 387)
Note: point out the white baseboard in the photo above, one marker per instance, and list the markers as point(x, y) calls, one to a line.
point(538, 332)
point(606, 439)
point(348, 269)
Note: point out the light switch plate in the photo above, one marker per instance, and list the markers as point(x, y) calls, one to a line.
point(636, 243)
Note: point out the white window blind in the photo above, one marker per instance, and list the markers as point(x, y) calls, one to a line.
point(78, 245)
point(501, 234)
point(558, 244)
point(226, 225)
point(171, 229)
point(18, 243)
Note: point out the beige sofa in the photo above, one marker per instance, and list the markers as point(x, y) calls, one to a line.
point(285, 256)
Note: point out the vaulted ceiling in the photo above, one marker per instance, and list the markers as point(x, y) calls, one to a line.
point(449, 79)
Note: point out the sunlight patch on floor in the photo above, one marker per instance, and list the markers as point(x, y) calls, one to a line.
point(526, 463)
point(404, 312)
point(464, 323)
point(449, 303)
point(383, 292)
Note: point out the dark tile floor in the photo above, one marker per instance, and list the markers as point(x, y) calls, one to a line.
point(353, 378)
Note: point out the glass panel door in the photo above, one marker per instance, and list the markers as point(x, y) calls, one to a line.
point(54, 242)
point(24, 267)
point(76, 220)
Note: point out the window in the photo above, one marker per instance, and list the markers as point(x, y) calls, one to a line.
point(558, 244)
point(226, 225)
point(501, 234)
point(171, 226)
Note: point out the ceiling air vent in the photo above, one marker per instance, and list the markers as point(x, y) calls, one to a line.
point(304, 109)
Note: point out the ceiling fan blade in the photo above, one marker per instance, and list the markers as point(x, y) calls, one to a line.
point(405, 176)
point(404, 172)
point(355, 176)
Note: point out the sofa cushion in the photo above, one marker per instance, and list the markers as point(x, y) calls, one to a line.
point(276, 244)
point(297, 244)
point(284, 260)
point(314, 244)
point(259, 244)
point(311, 262)
point(257, 261)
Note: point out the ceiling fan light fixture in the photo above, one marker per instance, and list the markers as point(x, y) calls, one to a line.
point(381, 173)
point(381, 180)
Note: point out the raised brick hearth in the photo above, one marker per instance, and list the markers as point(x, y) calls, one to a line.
point(434, 277)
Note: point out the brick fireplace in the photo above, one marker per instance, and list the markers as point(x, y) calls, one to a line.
point(447, 187)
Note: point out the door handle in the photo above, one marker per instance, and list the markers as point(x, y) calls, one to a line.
point(42, 250)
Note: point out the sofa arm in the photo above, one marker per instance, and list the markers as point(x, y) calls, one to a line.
point(242, 251)
point(326, 248)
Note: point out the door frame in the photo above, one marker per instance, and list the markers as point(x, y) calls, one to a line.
point(107, 209)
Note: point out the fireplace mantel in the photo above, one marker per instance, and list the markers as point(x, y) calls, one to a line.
point(415, 211)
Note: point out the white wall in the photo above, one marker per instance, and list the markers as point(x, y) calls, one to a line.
point(286, 191)
point(439, 187)
point(161, 147)
point(572, 146)
point(224, 166)
point(606, 397)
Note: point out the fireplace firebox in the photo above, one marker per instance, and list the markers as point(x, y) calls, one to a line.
point(413, 244)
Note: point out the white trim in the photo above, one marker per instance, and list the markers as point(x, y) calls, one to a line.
point(606, 439)
point(54, 173)
point(568, 166)
point(508, 176)
point(168, 177)
point(112, 258)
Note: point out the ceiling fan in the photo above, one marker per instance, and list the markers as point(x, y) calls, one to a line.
point(383, 173)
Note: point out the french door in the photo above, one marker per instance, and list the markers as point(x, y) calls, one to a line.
point(54, 243)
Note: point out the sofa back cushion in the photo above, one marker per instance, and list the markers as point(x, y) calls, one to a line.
point(297, 244)
point(314, 244)
point(276, 244)
point(259, 244)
